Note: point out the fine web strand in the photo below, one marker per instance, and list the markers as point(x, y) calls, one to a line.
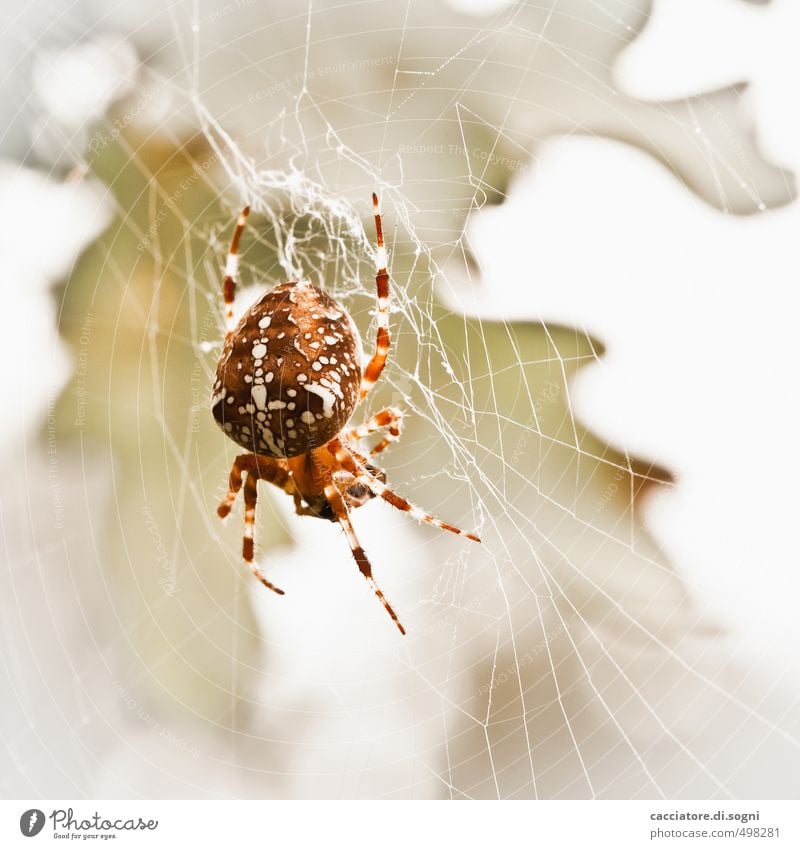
point(317, 233)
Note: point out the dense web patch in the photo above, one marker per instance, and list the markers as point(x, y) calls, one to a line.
point(318, 234)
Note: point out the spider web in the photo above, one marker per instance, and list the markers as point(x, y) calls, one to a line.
point(561, 658)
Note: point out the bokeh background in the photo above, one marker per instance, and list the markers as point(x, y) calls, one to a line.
point(592, 224)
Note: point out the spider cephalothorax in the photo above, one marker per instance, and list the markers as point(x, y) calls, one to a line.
point(286, 386)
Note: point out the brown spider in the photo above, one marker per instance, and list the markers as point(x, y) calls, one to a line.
point(286, 386)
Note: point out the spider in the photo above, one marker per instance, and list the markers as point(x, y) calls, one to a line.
point(286, 386)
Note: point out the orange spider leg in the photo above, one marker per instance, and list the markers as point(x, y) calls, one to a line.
point(356, 464)
point(389, 419)
point(417, 512)
point(376, 364)
point(256, 468)
point(365, 567)
point(232, 272)
point(234, 485)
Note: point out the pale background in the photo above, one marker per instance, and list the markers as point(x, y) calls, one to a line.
point(595, 189)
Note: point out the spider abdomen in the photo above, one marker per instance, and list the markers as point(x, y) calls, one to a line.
point(290, 373)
